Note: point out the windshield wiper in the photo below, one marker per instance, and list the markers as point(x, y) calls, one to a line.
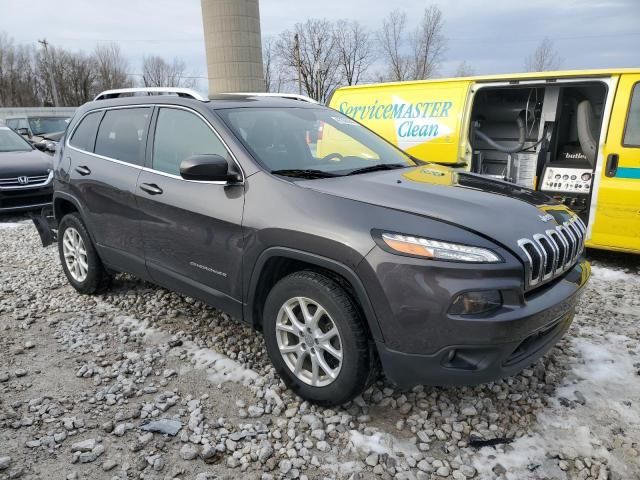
point(304, 173)
point(376, 168)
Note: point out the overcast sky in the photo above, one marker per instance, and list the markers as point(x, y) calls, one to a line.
point(493, 36)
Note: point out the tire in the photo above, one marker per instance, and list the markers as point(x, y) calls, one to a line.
point(350, 375)
point(91, 276)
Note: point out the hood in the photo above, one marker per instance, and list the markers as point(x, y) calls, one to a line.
point(30, 163)
point(53, 136)
point(497, 210)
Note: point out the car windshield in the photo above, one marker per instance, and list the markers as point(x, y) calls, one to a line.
point(42, 125)
point(311, 142)
point(10, 141)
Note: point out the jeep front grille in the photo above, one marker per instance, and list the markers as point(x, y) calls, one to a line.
point(553, 252)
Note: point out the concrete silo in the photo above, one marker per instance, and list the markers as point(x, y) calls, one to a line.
point(233, 45)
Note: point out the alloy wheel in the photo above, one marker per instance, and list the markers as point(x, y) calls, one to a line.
point(75, 254)
point(309, 341)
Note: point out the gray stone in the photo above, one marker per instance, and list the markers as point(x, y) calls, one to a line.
point(499, 469)
point(188, 452)
point(165, 426)
point(443, 471)
point(88, 457)
point(84, 446)
point(372, 460)
point(469, 411)
point(5, 462)
point(468, 471)
point(580, 398)
point(255, 412)
point(265, 453)
point(109, 465)
point(285, 465)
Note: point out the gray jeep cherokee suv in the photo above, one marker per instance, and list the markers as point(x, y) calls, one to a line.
point(346, 252)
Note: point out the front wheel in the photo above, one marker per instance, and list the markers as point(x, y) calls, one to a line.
point(80, 261)
point(316, 339)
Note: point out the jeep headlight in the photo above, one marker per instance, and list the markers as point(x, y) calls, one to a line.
point(439, 250)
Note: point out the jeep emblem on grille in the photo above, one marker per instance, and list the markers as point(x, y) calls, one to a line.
point(23, 180)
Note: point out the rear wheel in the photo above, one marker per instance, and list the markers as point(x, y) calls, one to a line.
point(78, 256)
point(316, 339)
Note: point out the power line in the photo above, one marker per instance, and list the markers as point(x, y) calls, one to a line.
point(538, 38)
point(181, 76)
point(501, 39)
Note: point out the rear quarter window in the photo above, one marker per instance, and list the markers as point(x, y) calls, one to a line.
point(84, 136)
point(122, 134)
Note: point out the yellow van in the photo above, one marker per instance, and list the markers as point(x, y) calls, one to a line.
point(572, 134)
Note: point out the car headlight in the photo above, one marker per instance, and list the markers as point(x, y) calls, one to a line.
point(439, 250)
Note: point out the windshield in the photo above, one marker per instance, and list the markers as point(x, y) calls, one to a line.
point(320, 140)
point(10, 141)
point(42, 125)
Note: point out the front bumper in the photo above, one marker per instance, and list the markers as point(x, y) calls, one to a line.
point(422, 344)
point(30, 198)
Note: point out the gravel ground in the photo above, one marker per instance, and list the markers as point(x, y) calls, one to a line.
point(143, 383)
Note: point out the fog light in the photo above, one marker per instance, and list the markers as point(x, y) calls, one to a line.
point(473, 303)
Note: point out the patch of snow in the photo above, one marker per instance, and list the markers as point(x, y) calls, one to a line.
point(602, 376)
point(381, 442)
point(219, 367)
point(8, 225)
point(142, 328)
point(344, 468)
point(607, 274)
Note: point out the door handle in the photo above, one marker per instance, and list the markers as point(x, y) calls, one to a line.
point(151, 188)
point(83, 170)
point(612, 165)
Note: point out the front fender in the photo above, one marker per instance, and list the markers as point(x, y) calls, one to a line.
point(317, 260)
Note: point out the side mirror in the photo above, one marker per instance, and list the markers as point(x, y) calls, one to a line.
point(208, 168)
point(23, 131)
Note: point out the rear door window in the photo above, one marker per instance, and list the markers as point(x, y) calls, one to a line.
point(179, 135)
point(122, 134)
point(84, 136)
point(632, 129)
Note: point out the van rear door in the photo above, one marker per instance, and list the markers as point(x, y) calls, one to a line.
point(422, 118)
point(617, 204)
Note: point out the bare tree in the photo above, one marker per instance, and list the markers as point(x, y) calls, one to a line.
point(19, 85)
point(274, 76)
point(71, 74)
point(545, 57)
point(157, 72)
point(464, 70)
point(30, 77)
point(111, 68)
point(391, 40)
point(75, 75)
point(355, 52)
point(316, 56)
point(427, 44)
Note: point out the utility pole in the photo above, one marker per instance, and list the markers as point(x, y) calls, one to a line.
point(296, 43)
point(54, 90)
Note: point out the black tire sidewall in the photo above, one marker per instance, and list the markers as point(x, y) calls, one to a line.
point(354, 371)
point(95, 272)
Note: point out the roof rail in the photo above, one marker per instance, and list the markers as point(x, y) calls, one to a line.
point(292, 96)
point(181, 92)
